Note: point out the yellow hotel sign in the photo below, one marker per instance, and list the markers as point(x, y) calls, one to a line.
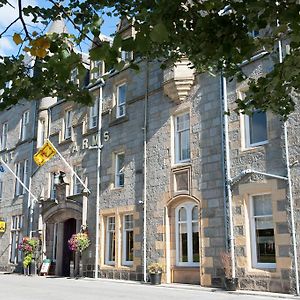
point(45, 153)
point(2, 226)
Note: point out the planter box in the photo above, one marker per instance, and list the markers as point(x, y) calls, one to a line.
point(155, 278)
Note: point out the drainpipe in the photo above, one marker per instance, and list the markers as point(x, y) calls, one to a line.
point(228, 177)
point(145, 175)
point(223, 160)
point(290, 191)
point(99, 147)
point(30, 205)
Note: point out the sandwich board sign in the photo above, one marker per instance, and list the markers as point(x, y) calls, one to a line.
point(45, 267)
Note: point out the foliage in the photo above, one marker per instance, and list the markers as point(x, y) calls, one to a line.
point(155, 268)
point(213, 35)
point(79, 242)
point(227, 263)
point(28, 247)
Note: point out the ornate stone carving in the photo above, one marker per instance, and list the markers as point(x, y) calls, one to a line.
point(178, 80)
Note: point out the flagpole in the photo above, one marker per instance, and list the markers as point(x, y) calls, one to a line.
point(73, 172)
point(19, 180)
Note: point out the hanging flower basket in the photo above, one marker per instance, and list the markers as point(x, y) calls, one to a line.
point(79, 242)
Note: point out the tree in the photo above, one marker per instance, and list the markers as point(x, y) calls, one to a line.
point(214, 35)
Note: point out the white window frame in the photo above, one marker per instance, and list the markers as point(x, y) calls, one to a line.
point(248, 143)
point(24, 125)
point(25, 173)
point(119, 171)
point(68, 124)
point(253, 245)
point(121, 105)
point(15, 238)
point(4, 131)
point(98, 65)
point(126, 56)
point(108, 239)
point(124, 240)
point(93, 115)
point(76, 184)
point(189, 206)
point(177, 147)
point(52, 187)
point(19, 173)
point(73, 76)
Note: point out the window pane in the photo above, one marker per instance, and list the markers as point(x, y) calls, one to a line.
point(111, 251)
point(183, 122)
point(195, 213)
point(111, 223)
point(195, 244)
point(183, 245)
point(122, 94)
point(182, 183)
point(262, 205)
point(128, 222)
point(182, 214)
point(129, 245)
point(258, 127)
point(265, 245)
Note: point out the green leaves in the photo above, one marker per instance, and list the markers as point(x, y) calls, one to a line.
point(159, 33)
point(213, 35)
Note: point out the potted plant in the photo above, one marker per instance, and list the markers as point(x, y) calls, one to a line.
point(155, 270)
point(28, 247)
point(78, 243)
point(230, 283)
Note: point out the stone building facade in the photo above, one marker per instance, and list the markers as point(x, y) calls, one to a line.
point(152, 153)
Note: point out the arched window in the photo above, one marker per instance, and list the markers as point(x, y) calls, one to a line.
point(187, 235)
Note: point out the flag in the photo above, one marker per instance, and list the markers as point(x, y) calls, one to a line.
point(3, 170)
point(45, 153)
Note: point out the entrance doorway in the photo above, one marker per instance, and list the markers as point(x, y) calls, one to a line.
point(69, 230)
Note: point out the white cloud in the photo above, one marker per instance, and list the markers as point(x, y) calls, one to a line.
point(6, 46)
point(8, 14)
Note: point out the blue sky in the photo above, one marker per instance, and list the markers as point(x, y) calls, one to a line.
point(8, 15)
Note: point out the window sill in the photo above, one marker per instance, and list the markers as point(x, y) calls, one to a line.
point(178, 165)
point(109, 266)
point(117, 188)
point(186, 267)
point(90, 131)
point(66, 141)
point(117, 121)
point(254, 147)
point(126, 266)
point(261, 271)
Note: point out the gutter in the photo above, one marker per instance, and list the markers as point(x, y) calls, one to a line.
point(99, 147)
point(145, 175)
point(227, 166)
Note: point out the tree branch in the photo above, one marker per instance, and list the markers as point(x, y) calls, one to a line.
point(6, 29)
point(22, 19)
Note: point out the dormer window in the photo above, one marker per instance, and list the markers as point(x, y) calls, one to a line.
point(73, 77)
point(97, 69)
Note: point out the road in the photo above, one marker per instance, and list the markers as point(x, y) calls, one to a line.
point(19, 287)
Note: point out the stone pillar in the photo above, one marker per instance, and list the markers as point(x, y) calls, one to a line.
point(59, 249)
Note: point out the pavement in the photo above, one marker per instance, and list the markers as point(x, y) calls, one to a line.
point(20, 287)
